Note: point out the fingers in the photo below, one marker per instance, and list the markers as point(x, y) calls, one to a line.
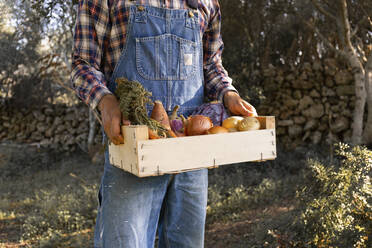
point(243, 108)
point(115, 131)
point(112, 127)
point(125, 122)
point(111, 118)
point(236, 105)
point(251, 111)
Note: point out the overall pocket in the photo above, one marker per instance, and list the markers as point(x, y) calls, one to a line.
point(166, 57)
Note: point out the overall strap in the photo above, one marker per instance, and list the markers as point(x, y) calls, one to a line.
point(193, 3)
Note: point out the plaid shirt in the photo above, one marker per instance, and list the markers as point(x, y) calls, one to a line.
point(100, 35)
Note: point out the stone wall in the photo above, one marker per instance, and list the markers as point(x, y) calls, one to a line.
point(54, 126)
point(312, 103)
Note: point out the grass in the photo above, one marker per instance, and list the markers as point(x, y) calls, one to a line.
point(48, 199)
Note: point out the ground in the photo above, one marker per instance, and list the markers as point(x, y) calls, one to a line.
point(48, 199)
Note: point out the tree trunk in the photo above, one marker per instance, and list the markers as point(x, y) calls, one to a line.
point(367, 134)
point(358, 73)
point(346, 50)
point(360, 96)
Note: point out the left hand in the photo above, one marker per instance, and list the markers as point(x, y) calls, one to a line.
point(237, 106)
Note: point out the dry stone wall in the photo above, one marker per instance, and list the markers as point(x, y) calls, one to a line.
point(312, 103)
point(54, 126)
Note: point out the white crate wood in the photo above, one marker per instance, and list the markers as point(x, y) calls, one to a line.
point(143, 157)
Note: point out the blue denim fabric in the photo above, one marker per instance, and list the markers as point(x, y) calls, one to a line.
point(164, 53)
point(131, 209)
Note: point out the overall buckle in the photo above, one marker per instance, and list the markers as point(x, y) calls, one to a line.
point(141, 14)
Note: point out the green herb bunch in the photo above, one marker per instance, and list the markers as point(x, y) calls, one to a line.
point(133, 99)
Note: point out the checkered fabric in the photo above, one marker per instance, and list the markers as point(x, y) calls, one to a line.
point(100, 35)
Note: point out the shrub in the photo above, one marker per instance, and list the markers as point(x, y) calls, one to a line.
point(335, 205)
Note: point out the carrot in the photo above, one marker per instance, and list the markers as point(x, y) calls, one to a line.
point(153, 134)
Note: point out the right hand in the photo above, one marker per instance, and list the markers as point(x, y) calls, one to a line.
point(112, 118)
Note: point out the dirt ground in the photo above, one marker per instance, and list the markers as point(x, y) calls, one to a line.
point(24, 165)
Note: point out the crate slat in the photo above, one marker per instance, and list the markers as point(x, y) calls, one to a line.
point(144, 157)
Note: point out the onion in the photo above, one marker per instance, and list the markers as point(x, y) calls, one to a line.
point(232, 122)
point(176, 125)
point(249, 123)
point(197, 125)
point(214, 110)
point(216, 130)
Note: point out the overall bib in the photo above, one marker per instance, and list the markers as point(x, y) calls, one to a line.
point(163, 52)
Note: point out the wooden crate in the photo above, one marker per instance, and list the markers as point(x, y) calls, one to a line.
point(143, 157)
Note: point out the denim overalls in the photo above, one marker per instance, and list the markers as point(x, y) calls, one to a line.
point(163, 52)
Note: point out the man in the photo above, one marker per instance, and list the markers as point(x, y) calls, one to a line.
point(173, 48)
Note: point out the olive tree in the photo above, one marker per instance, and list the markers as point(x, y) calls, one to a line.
point(19, 38)
point(60, 16)
point(350, 35)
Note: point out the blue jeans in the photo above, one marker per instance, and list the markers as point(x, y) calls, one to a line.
point(132, 209)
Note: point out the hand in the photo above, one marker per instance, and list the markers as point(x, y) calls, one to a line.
point(237, 106)
point(112, 119)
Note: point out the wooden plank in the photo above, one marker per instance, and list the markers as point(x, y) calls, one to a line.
point(266, 122)
point(125, 156)
point(179, 154)
point(270, 122)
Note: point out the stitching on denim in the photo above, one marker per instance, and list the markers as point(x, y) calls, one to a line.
point(190, 22)
point(183, 74)
point(182, 63)
point(139, 66)
point(168, 102)
point(157, 58)
point(163, 36)
point(161, 12)
point(167, 21)
point(170, 56)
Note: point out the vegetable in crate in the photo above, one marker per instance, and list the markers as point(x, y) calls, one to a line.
point(159, 114)
point(239, 123)
point(132, 101)
point(176, 123)
point(197, 125)
point(214, 110)
point(249, 123)
point(217, 129)
point(232, 122)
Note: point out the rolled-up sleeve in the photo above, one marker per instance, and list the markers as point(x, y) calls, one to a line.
point(91, 27)
point(217, 81)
